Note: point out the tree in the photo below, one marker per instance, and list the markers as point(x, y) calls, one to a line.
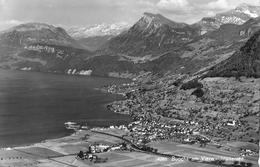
point(235, 163)
point(249, 164)
point(198, 92)
point(80, 154)
point(191, 85)
point(242, 164)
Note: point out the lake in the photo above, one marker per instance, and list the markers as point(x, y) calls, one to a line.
point(34, 106)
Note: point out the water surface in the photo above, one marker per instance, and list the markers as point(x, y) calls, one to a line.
point(34, 106)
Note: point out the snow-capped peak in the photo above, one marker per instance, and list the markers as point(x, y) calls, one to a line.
point(239, 16)
point(251, 11)
point(251, 14)
point(98, 30)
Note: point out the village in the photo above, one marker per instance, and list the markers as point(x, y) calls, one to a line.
point(180, 115)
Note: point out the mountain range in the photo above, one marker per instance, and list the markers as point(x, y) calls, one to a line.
point(153, 44)
point(98, 30)
point(39, 47)
point(159, 45)
point(93, 37)
point(239, 15)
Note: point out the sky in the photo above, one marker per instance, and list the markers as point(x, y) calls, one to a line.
point(80, 13)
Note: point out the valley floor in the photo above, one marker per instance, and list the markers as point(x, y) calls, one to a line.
point(62, 152)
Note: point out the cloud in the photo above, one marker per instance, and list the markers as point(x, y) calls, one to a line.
point(89, 12)
point(2, 5)
point(172, 3)
point(9, 23)
point(2, 2)
point(174, 6)
point(235, 3)
point(217, 5)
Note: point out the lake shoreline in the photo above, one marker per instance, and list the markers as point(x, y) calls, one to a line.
point(36, 105)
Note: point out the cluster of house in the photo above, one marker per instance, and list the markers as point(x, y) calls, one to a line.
point(247, 152)
point(145, 131)
point(120, 127)
point(90, 156)
point(93, 149)
point(99, 148)
point(39, 48)
point(79, 72)
point(121, 89)
point(26, 68)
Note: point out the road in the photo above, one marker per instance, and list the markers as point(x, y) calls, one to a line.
point(136, 148)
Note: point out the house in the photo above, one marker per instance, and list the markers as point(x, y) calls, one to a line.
point(231, 123)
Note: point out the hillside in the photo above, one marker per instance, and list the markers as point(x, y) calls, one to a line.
point(94, 43)
point(39, 47)
point(245, 62)
point(151, 35)
point(30, 33)
point(201, 52)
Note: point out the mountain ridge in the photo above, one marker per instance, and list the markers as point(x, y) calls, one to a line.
point(40, 47)
point(30, 33)
point(245, 62)
point(97, 30)
point(201, 52)
point(239, 16)
point(153, 44)
point(151, 34)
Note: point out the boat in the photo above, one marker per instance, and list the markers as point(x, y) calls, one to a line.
point(72, 125)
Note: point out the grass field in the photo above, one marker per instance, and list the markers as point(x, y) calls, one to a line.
point(61, 153)
point(75, 148)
